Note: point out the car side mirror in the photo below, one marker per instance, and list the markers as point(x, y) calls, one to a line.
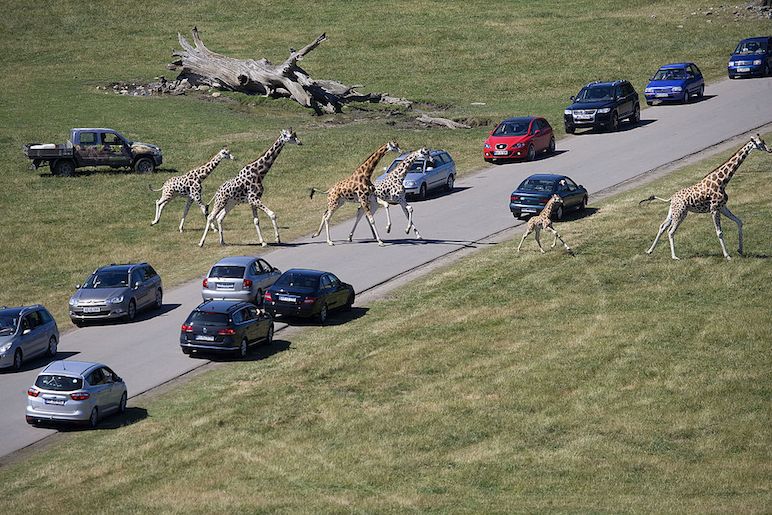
point(571, 98)
point(429, 168)
point(537, 132)
point(77, 286)
point(26, 331)
point(137, 284)
point(490, 133)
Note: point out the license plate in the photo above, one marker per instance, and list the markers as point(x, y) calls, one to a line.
point(583, 117)
point(224, 286)
point(743, 69)
point(528, 210)
point(286, 299)
point(500, 152)
point(661, 95)
point(91, 309)
point(58, 402)
point(204, 338)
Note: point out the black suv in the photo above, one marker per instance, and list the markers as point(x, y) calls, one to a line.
point(225, 326)
point(602, 105)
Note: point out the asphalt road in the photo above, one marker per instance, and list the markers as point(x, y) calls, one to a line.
point(146, 353)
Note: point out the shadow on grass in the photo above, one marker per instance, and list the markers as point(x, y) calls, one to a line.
point(579, 215)
point(132, 415)
point(89, 171)
point(39, 362)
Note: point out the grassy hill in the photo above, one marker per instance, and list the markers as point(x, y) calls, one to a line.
point(611, 381)
point(516, 58)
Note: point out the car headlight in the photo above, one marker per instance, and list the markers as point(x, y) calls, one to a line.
point(409, 184)
point(604, 110)
point(757, 62)
point(487, 145)
point(518, 145)
point(676, 88)
point(73, 302)
point(567, 111)
point(731, 63)
point(5, 347)
point(648, 90)
point(116, 300)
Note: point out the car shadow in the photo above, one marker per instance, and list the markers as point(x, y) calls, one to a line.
point(439, 192)
point(132, 415)
point(87, 172)
point(579, 215)
point(339, 317)
point(541, 156)
point(140, 317)
point(256, 353)
point(693, 100)
point(623, 127)
point(40, 362)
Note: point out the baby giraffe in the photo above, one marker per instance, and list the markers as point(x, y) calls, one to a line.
point(544, 221)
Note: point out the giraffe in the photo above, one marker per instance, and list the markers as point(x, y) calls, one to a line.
point(188, 185)
point(391, 190)
point(707, 196)
point(356, 188)
point(544, 221)
point(247, 187)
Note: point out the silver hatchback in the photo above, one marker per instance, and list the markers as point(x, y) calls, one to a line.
point(75, 391)
point(26, 332)
point(239, 278)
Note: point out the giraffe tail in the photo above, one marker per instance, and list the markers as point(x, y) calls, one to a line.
point(311, 192)
point(652, 198)
point(150, 187)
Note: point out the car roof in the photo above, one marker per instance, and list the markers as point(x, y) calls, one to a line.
point(546, 177)
point(68, 367)
point(528, 118)
point(675, 66)
point(93, 129)
point(756, 38)
point(306, 271)
point(403, 156)
point(236, 260)
point(221, 306)
point(17, 310)
point(119, 266)
point(606, 83)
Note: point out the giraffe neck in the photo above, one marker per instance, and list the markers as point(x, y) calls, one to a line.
point(203, 172)
point(724, 173)
point(549, 208)
point(401, 170)
point(366, 168)
point(260, 166)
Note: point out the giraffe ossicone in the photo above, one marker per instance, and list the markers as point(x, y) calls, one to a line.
point(544, 221)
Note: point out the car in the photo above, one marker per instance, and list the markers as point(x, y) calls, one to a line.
point(519, 138)
point(603, 105)
point(533, 193)
point(239, 278)
point(305, 293)
point(751, 58)
point(26, 332)
point(225, 326)
point(439, 173)
point(116, 291)
point(75, 391)
point(675, 82)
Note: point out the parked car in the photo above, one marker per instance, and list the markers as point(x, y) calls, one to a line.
point(603, 105)
point(26, 332)
point(308, 293)
point(519, 138)
point(225, 326)
point(239, 278)
point(75, 391)
point(533, 193)
point(675, 82)
point(439, 173)
point(94, 147)
point(751, 58)
point(116, 291)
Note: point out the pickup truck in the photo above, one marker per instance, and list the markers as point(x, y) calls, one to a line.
point(94, 147)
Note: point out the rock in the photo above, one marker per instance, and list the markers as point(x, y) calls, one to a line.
point(216, 94)
point(202, 87)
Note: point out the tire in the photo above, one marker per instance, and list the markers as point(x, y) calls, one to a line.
point(449, 183)
point(18, 360)
point(93, 419)
point(350, 301)
point(78, 323)
point(243, 348)
point(649, 102)
point(583, 205)
point(635, 118)
point(422, 192)
point(487, 159)
point(52, 347)
point(570, 129)
point(322, 314)
point(767, 70)
point(122, 404)
point(686, 97)
point(186, 351)
point(159, 299)
point(144, 165)
point(614, 125)
point(701, 92)
point(64, 168)
point(269, 338)
point(551, 146)
point(259, 298)
point(559, 213)
point(132, 312)
point(531, 155)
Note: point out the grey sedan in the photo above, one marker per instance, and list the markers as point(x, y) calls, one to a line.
point(75, 391)
point(26, 332)
point(239, 278)
point(439, 173)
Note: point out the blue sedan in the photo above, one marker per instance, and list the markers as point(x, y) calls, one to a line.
point(675, 82)
point(533, 193)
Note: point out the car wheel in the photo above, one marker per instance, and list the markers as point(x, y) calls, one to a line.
point(636, 116)
point(323, 314)
point(159, 298)
point(570, 129)
point(18, 360)
point(531, 155)
point(132, 312)
point(259, 298)
point(243, 348)
point(686, 96)
point(701, 92)
point(269, 338)
point(583, 205)
point(449, 184)
point(559, 213)
point(767, 70)
point(614, 125)
point(64, 168)
point(551, 147)
point(350, 301)
point(93, 419)
point(186, 351)
point(122, 404)
point(144, 165)
point(487, 159)
point(422, 192)
point(52, 346)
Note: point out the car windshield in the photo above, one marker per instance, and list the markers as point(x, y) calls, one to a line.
point(595, 94)
point(511, 129)
point(227, 271)
point(7, 325)
point(415, 166)
point(58, 383)
point(297, 281)
point(108, 279)
point(751, 47)
point(537, 185)
point(208, 318)
point(669, 75)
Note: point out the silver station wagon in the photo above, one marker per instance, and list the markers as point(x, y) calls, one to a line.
point(26, 332)
point(239, 278)
point(75, 391)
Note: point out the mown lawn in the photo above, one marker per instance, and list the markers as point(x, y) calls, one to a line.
point(518, 58)
point(611, 381)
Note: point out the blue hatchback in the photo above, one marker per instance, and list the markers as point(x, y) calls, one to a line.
point(675, 82)
point(533, 193)
point(751, 58)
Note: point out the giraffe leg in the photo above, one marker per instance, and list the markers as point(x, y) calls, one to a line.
point(672, 231)
point(220, 217)
point(662, 228)
point(272, 217)
point(209, 223)
point(725, 211)
point(185, 212)
point(159, 206)
point(256, 220)
point(717, 223)
point(388, 214)
point(364, 203)
point(557, 237)
point(360, 213)
point(525, 235)
point(537, 235)
point(408, 210)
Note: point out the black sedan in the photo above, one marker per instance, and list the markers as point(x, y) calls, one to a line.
point(225, 326)
point(533, 193)
point(307, 293)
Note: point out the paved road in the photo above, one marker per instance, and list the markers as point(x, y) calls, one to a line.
point(146, 352)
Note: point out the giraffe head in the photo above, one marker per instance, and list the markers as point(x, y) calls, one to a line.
point(392, 146)
point(225, 154)
point(555, 199)
point(759, 144)
point(289, 136)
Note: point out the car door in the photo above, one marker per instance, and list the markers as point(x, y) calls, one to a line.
point(116, 386)
point(261, 321)
point(326, 291)
point(571, 194)
point(139, 286)
point(340, 291)
point(270, 274)
point(544, 133)
point(115, 149)
point(87, 148)
point(33, 335)
point(99, 390)
point(436, 172)
point(247, 323)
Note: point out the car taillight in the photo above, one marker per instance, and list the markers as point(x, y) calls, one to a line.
point(80, 396)
point(33, 392)
point(187, 328)
point(309, 300)
point(267, 297)
point(226, 332)
point(205, 283)
point(247, 284)
point(514, 198)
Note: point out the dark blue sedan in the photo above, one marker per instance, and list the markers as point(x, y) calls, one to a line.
point(533, 193)
point(300, 292)
point(675, 82)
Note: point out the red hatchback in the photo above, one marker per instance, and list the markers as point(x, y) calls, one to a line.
point(519, 138)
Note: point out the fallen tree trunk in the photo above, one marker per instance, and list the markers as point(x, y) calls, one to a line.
point(442, 122)
point(201, 66)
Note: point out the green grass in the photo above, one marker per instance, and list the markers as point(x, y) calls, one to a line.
point(611, 381)
point(522, 58)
